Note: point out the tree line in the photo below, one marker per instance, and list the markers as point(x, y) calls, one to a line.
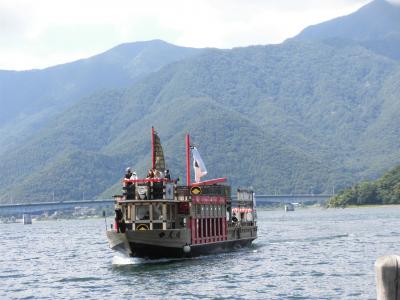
point(385, 190)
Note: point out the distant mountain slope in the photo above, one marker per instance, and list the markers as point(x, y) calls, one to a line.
point(374, 20)
point(296, 117)
point(69, 172)
point(29, 98)
point(376, 26)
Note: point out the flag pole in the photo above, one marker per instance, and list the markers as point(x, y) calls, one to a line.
point(187, 160)
point(153, 161)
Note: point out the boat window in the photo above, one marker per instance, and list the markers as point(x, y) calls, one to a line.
point(157, 225)
point(198, 226)
point(198, 210)
point(142, 212)
point(127, 216)
point(171, 212)
point(183, 208)
point(157, 211)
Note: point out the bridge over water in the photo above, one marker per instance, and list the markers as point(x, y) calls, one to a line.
point(39, 208)
point(293, 198)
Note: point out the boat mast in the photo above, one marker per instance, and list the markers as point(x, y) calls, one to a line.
point(187, 159)
point(153, 159)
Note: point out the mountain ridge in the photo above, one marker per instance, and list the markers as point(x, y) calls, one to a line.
point(46, 93)
point(375, 19)
point(299, 117)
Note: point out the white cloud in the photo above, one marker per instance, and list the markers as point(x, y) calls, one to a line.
point(46, 32)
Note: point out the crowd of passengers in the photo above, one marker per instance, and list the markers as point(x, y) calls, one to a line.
point(151, 174)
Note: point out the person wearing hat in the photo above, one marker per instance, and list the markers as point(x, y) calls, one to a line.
point(134, 176)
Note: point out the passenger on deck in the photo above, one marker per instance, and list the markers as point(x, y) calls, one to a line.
point(158, 174)
point(134, 176)
point(122, 226)
point(118, 218)
point(128, 173)
point(234, 218)
point(167, 175)
point(150, 174)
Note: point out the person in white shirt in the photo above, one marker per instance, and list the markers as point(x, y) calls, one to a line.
point(133, 176)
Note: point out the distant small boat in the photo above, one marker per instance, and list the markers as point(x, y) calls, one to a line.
point(27, 219)
point(289, 207)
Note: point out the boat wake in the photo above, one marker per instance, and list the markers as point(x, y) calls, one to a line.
point(122, 260)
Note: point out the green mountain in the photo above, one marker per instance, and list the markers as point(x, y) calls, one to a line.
point(304, 116)
point(29, 99)
point(289, 117)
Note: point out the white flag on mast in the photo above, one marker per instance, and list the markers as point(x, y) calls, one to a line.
point(198, 165)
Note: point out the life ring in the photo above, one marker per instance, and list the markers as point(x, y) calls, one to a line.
point(142, 227)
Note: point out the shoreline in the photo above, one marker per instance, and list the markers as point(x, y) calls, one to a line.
point(369, 206)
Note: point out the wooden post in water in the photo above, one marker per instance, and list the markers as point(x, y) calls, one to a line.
point(388, 277)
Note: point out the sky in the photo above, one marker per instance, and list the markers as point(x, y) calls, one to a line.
point(42, 33)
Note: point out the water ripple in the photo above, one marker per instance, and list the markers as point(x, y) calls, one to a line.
point(310, 254)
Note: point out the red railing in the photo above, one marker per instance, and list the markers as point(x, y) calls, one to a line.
point(208, 230)
point(149, 180)
point(210, 182)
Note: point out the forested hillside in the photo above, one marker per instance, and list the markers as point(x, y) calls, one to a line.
point(289, 117)
point(29, 99)
point(303, 116)
point(385, 190)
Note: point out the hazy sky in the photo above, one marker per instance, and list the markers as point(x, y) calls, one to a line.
point(40, 33)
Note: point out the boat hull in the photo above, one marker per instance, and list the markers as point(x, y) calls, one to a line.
point(151, 251)
point(122, 243)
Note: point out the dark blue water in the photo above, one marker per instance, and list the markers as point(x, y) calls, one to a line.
point(306, 254)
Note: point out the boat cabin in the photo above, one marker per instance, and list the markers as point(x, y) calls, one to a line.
point(149, 204)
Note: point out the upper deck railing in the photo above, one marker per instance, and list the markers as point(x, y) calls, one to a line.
point(166, 189)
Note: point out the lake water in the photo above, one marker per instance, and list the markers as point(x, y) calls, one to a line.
point(306, 254)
